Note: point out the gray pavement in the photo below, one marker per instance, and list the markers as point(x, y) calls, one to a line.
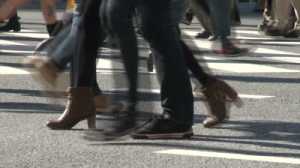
point(264, 133)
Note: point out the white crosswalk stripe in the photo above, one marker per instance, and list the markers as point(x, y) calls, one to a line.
point(215, 63)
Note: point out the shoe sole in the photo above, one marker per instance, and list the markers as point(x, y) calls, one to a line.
point(185, 135)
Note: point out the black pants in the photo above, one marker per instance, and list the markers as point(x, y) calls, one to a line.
point(83, 68)
point(160, 31)
point(176, 92)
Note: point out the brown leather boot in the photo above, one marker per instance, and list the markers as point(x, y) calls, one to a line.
point(80, 106)
point(219, 95)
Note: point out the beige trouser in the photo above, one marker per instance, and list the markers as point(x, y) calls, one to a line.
point(282, 13)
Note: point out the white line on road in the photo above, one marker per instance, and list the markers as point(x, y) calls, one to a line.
point(7, 43)
point(5, 70)
point(208, 45)
point(234, 156)
point(248, 68)
point(29, 35)
point(106, 65)
point(17, 51)
point(255, 32)
point(260, 50)
point(284, 59)
point(157, 91)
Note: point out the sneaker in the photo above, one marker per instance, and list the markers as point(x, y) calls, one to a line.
point(163, 128)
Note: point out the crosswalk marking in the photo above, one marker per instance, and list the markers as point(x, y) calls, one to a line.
point(208, 45)
point(248, 68)
point(109, 66)
point(157, 91)
point(284, 59)
point(16, 52)
point(229, 67)
point(9, 42)
point(234, 156)
point(260, 50)
point(5, 70)
point(30, 35)
point(252, 32)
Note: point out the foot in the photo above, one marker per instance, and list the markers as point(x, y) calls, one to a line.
point(228, 48)
point(163, 128)
point(47, 69)
point(12, 24)
point(80, 106)
point(292, 34)
point(203, 35)
point(124, 125)
point(211, 121)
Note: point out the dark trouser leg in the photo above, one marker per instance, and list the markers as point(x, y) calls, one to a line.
point(202, 12)
point(118, 17)
point(235, 12)
point(176, 91)
point(193, 65)
point(84, 61)
point(63, 47)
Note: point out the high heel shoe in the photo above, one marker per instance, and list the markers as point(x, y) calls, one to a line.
point(80, 106)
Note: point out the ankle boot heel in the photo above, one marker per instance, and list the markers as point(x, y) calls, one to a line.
point(91, 121)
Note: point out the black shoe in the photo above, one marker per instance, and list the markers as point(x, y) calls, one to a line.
point(161, 128)
point(125, 123)
point(203, 35)
point(292, 34)
point(12, 24)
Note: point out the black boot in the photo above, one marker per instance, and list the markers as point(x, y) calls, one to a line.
point(12, 24)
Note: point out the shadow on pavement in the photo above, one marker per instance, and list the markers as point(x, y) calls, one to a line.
point(263, 134)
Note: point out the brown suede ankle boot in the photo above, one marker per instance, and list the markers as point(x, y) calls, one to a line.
point(80, 106)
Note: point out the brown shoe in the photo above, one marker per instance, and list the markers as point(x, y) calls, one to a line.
point(219, 95)
point(80, 106)
point(47, 70)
